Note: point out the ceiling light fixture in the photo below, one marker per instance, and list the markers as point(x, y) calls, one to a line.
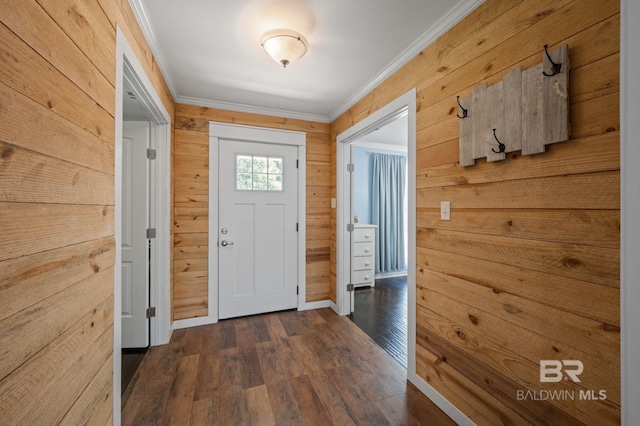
point(284, 46)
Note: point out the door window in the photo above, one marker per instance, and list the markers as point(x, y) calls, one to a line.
point(259, 173)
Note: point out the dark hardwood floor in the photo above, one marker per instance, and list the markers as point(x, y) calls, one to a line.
point(381, 312)
point(131, 359)
point(287, 368)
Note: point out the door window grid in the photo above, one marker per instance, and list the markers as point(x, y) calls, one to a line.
point(259, 173)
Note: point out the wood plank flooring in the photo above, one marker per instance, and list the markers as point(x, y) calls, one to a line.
point(287, 368)
point(381, 312)
point(131, 359)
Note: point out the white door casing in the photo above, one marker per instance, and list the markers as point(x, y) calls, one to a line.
point(128, 67)
point(135, 247)
point(257, 235)
point(352, 293)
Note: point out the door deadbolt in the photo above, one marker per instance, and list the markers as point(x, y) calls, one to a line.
point(223, 231)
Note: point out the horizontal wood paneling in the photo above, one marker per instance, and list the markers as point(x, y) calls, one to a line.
point(528, 267)
point(34, 23)
point(34, 178)
point(588, 227)
point(57, 212)
point(29, 279)
point(31, 75)
point(191, 208)
point(95, 153)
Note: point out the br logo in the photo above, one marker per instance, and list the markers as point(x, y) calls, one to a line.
point(552, 370)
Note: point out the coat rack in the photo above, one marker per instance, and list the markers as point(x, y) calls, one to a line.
point(524, 112)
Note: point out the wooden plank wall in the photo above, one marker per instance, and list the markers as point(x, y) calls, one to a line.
point(528, 267)
point(191, 225)
point(57, 250)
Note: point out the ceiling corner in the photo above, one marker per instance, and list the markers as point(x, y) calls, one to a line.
point(432, 34)
point(142, 17)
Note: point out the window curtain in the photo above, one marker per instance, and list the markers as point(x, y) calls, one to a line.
point(387, 210)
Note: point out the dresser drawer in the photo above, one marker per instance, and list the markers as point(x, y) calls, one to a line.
point(363, 235)
point(363, 277)
point(363, 249)
point(363, 263)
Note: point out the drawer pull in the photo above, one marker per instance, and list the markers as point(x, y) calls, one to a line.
point(367, 236)
point(367, 263)
point(366, 277)
point(367, 250)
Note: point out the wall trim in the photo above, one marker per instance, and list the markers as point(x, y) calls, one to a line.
point(630, 210)
point(194, 322)
point(442, 402)
point(251, 109)
point(144, 22)
point(320, 304)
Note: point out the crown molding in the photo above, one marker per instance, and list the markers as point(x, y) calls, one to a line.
point(142, 17)
point(251, 109)
point(432, 34)
point(442, 26)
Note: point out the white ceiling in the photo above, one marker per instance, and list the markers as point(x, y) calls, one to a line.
point(209, 50)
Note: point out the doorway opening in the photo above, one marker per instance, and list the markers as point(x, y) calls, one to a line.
point(402, 108)
point(379, 204)
point(137, 101)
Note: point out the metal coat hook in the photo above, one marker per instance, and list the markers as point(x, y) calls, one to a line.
point(555, 68)
point(501, 146)
point(464, 110)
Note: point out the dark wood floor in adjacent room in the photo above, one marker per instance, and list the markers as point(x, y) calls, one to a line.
point(287, 368)
point(381, 312)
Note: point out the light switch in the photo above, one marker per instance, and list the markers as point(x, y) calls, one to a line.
point(445, 210)
point(334, 203)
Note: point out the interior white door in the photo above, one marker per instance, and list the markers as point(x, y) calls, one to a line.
point(257, 238)
point(135, 245)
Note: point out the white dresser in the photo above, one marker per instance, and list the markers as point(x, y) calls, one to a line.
point(363, 263)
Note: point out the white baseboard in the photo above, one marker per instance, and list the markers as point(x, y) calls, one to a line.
point(383, 275)
point(193, 322)
point(442, 403)
point(315, 305)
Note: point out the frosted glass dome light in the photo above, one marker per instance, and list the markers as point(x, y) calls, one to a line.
point(284, 46)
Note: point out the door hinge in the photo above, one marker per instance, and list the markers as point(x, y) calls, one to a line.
point(297, 289)
point(297, 227)
point(151, 233)
point(350, 287)
point(151, 154)
point(350, 167)
point(151, 312)
point(350, 227)
point(297, 164)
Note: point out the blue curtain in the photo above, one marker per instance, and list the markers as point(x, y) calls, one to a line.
point(387, 210)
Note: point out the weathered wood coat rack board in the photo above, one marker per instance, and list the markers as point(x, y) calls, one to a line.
point(524, 112)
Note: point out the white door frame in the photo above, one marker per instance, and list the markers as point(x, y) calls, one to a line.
point(384, 115)
point(128, 66)
point(218, 131)
point(388, 113)
point(630, 200)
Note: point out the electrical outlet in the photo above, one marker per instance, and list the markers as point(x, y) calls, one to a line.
point(445, 210)
point(334, 203)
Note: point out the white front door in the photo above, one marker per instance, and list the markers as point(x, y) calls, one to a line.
point(257, 235)
point(135, 245)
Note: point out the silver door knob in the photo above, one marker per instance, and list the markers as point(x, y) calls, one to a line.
point(225, 243)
